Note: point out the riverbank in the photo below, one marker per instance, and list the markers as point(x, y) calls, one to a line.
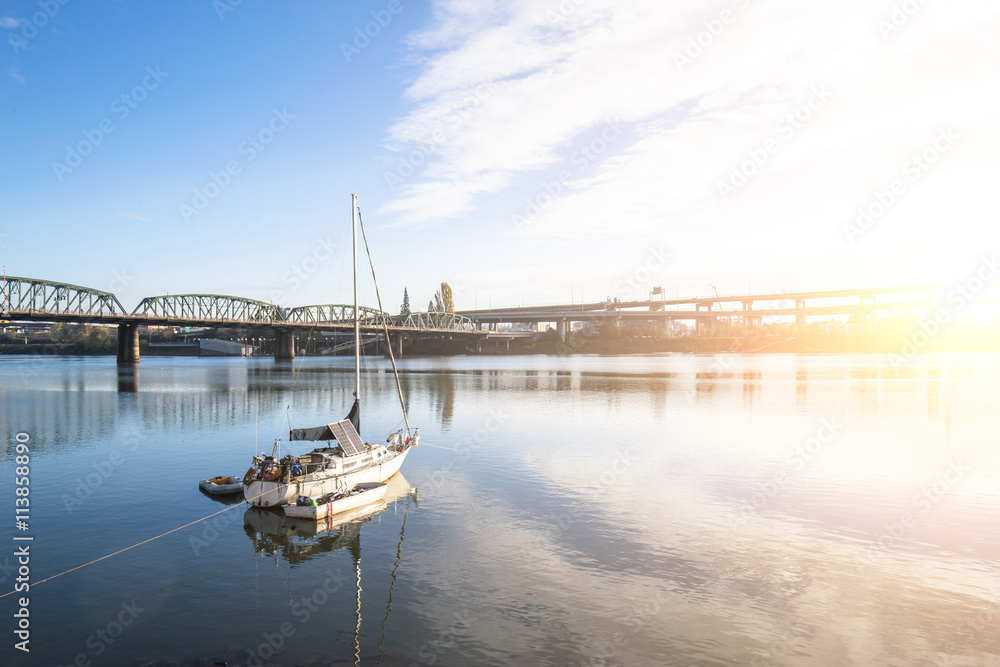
point(902, 342)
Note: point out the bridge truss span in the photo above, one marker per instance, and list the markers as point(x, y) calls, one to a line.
point(337, 314)
point(208, 308)
point(30, 296)
point(434, 321)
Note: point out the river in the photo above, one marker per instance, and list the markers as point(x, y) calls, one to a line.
point(582, 510)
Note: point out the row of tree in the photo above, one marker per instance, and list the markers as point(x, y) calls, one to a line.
point(66, 338)
point(443, 301)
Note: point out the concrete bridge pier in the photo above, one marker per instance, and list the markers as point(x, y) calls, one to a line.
point(800, 313)
point(284, 346)
point(128, 343)
point(561, 329)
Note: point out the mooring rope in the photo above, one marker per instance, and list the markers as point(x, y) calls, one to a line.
point(139, 544)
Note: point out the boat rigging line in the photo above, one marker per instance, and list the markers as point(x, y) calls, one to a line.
point(385, 327)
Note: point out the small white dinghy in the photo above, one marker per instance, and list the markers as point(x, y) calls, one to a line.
point(334, 503)
point(222, 485)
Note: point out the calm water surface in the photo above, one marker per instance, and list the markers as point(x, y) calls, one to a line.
point(640, 510)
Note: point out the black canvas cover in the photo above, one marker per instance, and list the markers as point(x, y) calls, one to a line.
point(325, 432)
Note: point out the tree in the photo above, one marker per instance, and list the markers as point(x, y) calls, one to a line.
point(404, 310)
point(57, 331)
point(98, 340)
point(66, 333)
point(430, 306)
point(447, 299)
point(610, 329)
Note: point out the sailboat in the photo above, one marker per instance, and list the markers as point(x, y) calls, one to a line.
point(333, 468)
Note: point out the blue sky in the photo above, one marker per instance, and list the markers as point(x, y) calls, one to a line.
point(524, 151)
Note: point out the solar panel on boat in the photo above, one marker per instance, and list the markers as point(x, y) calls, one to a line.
point(348, 437)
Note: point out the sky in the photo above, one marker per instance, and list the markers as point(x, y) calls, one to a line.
point(527, 152)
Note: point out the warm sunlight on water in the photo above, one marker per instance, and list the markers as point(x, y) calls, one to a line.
point(666, 510)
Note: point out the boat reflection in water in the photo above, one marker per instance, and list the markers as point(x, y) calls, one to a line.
point(298, 541)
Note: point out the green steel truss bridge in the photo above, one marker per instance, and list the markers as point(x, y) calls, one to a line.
point(34, 300)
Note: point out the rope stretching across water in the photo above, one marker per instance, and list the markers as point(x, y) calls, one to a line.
point(139, 544)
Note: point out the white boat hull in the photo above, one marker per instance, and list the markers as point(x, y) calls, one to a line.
point(261, 493)
point(370, 493)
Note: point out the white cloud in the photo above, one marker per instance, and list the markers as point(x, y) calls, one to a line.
point(688, 128)
point(557, 77)
point(134, 216)
point(9, 22)
point(14, 74)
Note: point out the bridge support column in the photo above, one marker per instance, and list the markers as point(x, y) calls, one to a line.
point(561, 329)
point(128, 343)
point(800, 313)
point(284, 346)
point(399, 346)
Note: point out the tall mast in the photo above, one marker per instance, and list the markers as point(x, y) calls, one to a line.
point(385, 326)
point(357, 323)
